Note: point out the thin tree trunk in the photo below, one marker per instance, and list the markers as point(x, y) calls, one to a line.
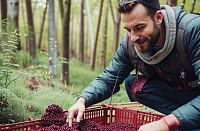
point(52, 40)
point(4, 21)
point(31, 34)
point(116, 32)
point(171, 2)
point(192, 6)
point(3, 13)
point(42, 25)
point(104, 47)
point(183, 4)
point(16, 23)
point(81, 37)
point(72, 49)
point(90, 27)
point(93, 59)
point(87, 58)
point(24, 25)
point(116, 27)
point(13, 19)
point(61, 9)
point(66, 30)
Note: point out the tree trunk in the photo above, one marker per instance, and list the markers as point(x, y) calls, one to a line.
point(72, 47)
point(42, 25)
point(116, 27)
point(192, 6)
point(81, 38)
point(4, 21)
point(96, 39)
point(3, 13)
point(183, 4)
point(90, 27)
point(61, 9)
point(52, 40)
point(104, 47)
point(171, 2)
point(66, 30)
point(13, 19)
point(116, 33)
point(31, 31)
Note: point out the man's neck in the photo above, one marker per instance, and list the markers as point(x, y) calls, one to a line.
point(161, 39)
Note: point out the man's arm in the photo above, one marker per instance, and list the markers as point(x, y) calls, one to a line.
point(189, 114)
point(108, 82)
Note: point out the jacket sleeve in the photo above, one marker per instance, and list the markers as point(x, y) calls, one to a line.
point(109, 81)
point(189, 114)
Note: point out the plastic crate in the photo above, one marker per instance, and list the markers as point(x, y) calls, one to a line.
point(104, 115)
point(21, 126)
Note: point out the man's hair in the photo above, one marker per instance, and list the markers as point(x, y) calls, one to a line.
point(125, 6)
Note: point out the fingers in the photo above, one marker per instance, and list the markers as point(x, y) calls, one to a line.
point(70, 118)
point(75, 113)
point(77, 110)
point(80, 115)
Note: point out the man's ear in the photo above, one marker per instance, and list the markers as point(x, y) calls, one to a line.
point(158, 17)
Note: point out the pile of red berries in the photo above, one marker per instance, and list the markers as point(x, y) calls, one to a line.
point(55, 120)
point(87, 125)
point(64, 127)
point(54, 115)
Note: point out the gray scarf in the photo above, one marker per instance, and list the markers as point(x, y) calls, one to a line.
point(170, 24)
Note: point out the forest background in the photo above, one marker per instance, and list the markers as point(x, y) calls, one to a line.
point(51, 50)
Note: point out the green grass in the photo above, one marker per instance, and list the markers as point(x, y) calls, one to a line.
point(34, 102)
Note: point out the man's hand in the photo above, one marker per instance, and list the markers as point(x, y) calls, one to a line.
point(159, 125)
point(168, 123)
point(77, 110)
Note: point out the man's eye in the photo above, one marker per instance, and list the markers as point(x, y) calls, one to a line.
point(128, 30)
point(138, 28)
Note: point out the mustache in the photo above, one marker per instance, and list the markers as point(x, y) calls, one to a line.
point(140, 41)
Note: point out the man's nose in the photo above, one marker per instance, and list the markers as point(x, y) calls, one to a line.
point(134, 37)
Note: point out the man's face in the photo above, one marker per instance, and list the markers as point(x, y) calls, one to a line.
point(142, 30)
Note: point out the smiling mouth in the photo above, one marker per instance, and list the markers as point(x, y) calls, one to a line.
point(141, 42)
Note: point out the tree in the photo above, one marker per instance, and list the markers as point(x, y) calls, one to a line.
point(183, 4)
point(52, 40)
point(93, 56)
point(116, 27)
point(90, 26)
point(31, 31)
point(104, 47)
point(81, 40)
point(3, 12)
point(192, 6)
point(171, 2)
point(3, 20)
point(65, 52)
point(61, 8)
point(42, 25)
point(13, 16)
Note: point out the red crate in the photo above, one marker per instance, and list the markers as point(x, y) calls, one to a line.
point(104, 115)
point(21, 126)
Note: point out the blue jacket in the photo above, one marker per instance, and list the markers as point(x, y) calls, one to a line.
point(121, 65)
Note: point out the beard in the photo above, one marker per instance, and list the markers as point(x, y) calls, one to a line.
point(154, 36)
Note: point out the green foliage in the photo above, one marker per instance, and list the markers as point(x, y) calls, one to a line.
point(22, 58)
point(36, 101)
point(7, 57)
point(8, 103)
point(11, 108)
